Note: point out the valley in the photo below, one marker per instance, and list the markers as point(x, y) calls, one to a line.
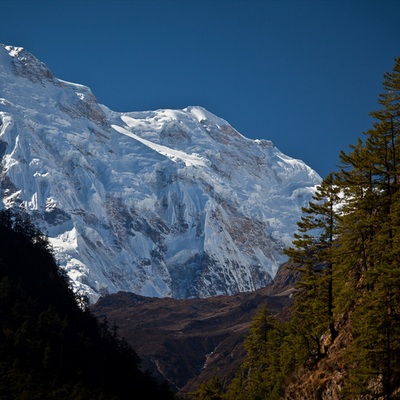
point(189, 341)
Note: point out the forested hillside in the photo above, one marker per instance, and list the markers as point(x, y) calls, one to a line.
point(343, 338)
point(50, 348)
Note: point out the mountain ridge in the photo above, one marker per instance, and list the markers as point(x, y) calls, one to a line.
point(189, 341)
point(165, 203)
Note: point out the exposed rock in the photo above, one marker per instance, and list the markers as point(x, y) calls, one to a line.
point(325, 380)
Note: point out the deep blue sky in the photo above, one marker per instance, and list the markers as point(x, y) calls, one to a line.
point(304, 74)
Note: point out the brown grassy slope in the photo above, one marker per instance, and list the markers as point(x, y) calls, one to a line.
point(189, 341)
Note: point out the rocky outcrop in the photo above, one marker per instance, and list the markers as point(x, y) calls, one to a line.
point(325, 380)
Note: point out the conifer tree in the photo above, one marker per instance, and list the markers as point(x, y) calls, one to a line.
point(312, 251)
point(211, 390)
point(270, 358)
point(347, 253)
point(369, 248)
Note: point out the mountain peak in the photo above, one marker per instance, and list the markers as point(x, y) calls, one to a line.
point(201, 114)
point(164, 203)
point(27, 65)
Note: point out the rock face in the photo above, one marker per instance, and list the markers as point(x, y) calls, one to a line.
point(165, 203)
point(326, 379)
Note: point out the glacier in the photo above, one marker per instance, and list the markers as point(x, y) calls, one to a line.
point(161, 203)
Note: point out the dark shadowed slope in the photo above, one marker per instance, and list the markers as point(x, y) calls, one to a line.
point(49, 347)
point(188, 341)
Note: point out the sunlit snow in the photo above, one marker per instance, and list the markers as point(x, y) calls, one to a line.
point(159, 203)
point(174, 155)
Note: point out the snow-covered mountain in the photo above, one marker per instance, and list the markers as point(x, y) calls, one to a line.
point(159, 203)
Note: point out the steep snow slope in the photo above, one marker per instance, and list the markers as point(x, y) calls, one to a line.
point(160, 203)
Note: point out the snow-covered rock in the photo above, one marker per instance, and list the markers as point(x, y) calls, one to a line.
point(159, 203)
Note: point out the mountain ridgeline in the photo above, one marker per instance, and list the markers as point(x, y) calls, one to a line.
point(50, 348)
point(165, 203)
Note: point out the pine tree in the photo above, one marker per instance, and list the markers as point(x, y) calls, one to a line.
point(270, 358)
point(313, 254)
point(211, 390)
point(369, 253)
point(347, 253)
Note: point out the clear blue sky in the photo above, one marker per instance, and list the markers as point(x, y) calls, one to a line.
point(304, 74)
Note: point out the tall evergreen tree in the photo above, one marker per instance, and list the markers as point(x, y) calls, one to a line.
point(312, 253)
point(268, 362)
point(369, 240)
point(347, 253)
point(211, 390)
